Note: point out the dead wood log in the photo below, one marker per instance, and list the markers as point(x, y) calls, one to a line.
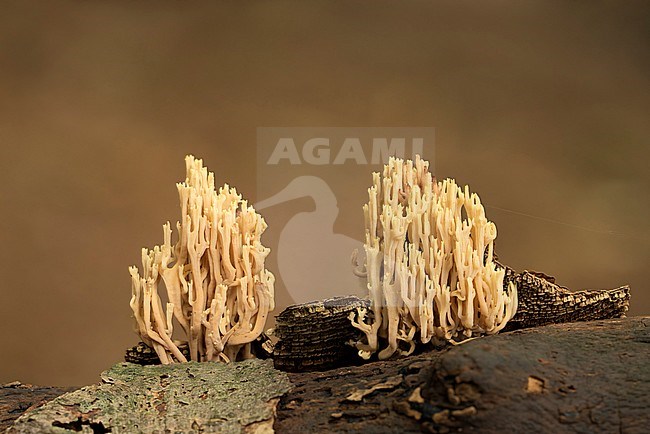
point(589, 377)
point(586, 377)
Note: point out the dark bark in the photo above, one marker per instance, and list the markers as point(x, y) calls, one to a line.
point(142, 354)
point(542, 301)
point(314, 336)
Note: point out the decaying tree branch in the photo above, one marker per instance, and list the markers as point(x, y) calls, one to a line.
point(542, 301)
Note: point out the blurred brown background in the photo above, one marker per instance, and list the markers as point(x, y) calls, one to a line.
point(542, 107)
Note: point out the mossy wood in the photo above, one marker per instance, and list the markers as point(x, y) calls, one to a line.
point(189, 397)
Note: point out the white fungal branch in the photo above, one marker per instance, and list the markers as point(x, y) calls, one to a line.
point(430, 264)
point(217, 288)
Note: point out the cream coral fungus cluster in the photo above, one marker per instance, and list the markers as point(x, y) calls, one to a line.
point(218, 293)
point(429, 261)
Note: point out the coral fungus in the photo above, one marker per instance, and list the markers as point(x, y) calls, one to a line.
point(217, 288)
point(430, 265)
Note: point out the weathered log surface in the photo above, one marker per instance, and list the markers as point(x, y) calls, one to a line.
point(584, 377)
point(313, 335)
point(16, 398)
point(190, 397)
point(578, 377)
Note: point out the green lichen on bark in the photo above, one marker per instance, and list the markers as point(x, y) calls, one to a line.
point(189, 397)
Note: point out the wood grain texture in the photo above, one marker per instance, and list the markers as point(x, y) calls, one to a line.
point(542, 301)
